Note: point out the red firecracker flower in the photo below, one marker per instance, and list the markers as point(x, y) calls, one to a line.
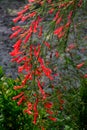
point(56, 54)
point(18, 87)
point(50, 112)
point(31, 54)
point(17, 44)
point(15, 34)
point(35, 111)
point(40, 31)
point(15, 20)
point(31, 0)
point(85, 76)
point(48, 105)
point(42, 128)
point(29, 108)
point(59, 20)
point(51, 11)
point(52, 118)
point(41, 90)
point(80, 65)
point(21, 100)
point(47, 72)
point(15, 28)
point(56, 16)
point(18, 96)
point(58, 30)
point(47, 44)
point(15, 52)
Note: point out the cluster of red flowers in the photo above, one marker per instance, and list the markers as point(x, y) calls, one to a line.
point(29, 54)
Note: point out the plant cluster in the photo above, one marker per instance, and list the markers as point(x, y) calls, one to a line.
point(40, 48)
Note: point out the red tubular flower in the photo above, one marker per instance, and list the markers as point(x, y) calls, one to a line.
point(27, 77)
point(80, 3)
point(50, 112)
point(21, 59)
point(29, 34)
point(61, 101)
point(15, 52)
point(56, 54)
point(35, 26)
point(18, 87)
point(42, 128)
point(37, 50)
point(31, 0)
point(31, 28)
point(27, 67)
point(27, 37)
point(41, 90)
point(24, 18)
point(28, 112)
point(61, 34)
point(38, 71)
point(58, 30)
point(35, 111)
point(30, 15)
point(47, 44)
point(41, 2)
point(36, 23)
point(80, 65)
point(24, 10)
point(57, 15)
point(67, 24)
point(15, 20)
point(52, 118)
point(59, 20)
point(61, 107)
point(27, 6)
point(18, 96)
point(65, 4)
point(48, 105)
point(15, 34)
point(15, 59)
point(40, 60)
point(71, 46)
point(15, 28)
point(47, 72)
point(21, 100)
point(29, 105)
point(22, 35)
point(51, 11)
point(20, 68)
point(35, 105)
point(85, 76)
point(40, 31)
point(35, 117)
point(17, 44)
point(70, 15)
point(49, 1)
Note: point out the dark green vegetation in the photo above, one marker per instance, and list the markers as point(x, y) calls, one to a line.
point(72, 117)
point(11, 116)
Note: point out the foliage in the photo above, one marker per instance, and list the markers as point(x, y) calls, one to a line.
point(83, 105)
point(13, 118)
